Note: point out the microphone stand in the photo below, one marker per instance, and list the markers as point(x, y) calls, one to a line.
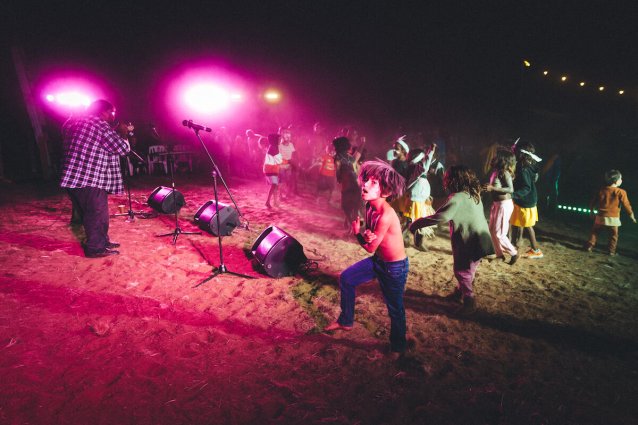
point(127, 183)
point(177, 231)
point(221, 269)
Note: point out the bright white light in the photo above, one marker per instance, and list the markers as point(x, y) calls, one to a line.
point(527, 63)
point(621, 92)
point(206, 98)
point(601, 88)
point(272, 96)
point(563, 78)
point(50, 98)
point(582, 84)
point(545, 72)
point(72, 99)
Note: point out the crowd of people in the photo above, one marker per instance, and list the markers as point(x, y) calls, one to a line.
point(387, 205)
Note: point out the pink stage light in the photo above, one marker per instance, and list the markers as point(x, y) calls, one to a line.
point(206, 98)
point(72, 99)
point(206, 92)
point(69, 94)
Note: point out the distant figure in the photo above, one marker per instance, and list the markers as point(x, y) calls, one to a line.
point(401, 165)
point(501, 186)
point(254, 150)
point(91, 170)
point(288, 168)
point(327, 173)
point(272, 162)
point(381, 237)
point(347, 177)
point(418, 194)
point(525, 197)
point(469, 234)
point(608, 202)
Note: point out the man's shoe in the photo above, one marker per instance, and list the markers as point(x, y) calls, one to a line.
point(100, 254)
point(336, 326)
point(112, 245)
point(513, 260)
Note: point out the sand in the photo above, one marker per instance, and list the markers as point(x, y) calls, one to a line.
point(128, 339)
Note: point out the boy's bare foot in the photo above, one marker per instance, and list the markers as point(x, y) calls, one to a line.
point(336, 326)
point(268, 205)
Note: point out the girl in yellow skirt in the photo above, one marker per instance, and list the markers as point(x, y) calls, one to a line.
point(418, 199)
point(525, 197)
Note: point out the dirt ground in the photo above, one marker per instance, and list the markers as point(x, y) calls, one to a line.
point(128, 339)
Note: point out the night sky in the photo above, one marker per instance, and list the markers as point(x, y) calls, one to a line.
point(413, 64)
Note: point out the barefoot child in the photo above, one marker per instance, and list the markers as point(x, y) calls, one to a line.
point(469, 233)
point(608, 202)
point(382, 237)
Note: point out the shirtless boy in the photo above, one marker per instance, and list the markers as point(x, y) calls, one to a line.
point(381, 237)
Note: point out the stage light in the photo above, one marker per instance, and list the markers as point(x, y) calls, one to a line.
point(73, 99)
point(621, 92)
point(50, 98)
point(582, 84)
point(527, 64)
point(563, 78)
point(545, 72)
point(601, 88)
point(237, 97)
point(206, 98)
point(272, 96)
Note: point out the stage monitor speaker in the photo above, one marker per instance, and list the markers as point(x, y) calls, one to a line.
point(164, 201)
point(278, 253)
point(206, 219)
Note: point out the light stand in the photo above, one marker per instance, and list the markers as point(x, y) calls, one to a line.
point(127, 183)
point(175, 233)
point(221, 269)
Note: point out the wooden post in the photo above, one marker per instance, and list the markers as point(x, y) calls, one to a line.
point(35, 116)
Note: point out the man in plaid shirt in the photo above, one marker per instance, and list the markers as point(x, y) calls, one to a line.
point(91, 170)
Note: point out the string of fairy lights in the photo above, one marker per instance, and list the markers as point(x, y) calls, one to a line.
point(570, 80)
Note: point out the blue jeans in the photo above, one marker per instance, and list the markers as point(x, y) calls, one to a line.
point(391, 277)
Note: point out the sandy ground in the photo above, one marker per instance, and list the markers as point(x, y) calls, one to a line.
point(129, 340)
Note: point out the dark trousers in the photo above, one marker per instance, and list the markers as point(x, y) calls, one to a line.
point(92, 204)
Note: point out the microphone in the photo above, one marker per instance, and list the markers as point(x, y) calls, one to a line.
point(154, 131)
point(197, 127)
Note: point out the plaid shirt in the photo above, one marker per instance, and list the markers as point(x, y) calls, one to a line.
point(91, 155)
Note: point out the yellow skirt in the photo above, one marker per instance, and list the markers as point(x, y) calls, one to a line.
point(418, 209)
point(524, 217)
